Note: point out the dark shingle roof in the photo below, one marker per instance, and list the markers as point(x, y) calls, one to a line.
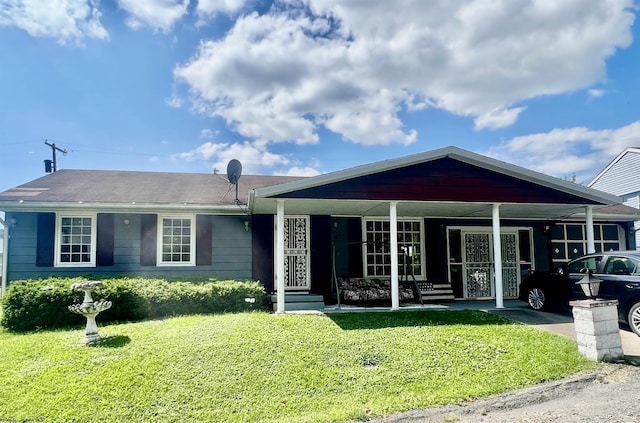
point(127, 187)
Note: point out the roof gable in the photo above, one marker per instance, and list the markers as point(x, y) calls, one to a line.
point(444, 179)
point(621, 176)
point(448, 174)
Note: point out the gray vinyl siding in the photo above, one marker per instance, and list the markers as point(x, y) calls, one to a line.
point(21, 251)
point(231, 246)
point(231, 251)
point(622, 177)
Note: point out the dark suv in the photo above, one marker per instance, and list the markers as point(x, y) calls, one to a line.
point(618, 271)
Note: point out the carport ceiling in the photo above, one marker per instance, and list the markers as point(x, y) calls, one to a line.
point(419, 209)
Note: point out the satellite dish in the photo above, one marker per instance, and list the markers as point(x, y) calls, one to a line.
point(234, 170)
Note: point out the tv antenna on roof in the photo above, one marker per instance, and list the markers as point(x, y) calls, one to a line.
point(234, 171)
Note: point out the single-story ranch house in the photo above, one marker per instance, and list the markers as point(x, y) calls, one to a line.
point(450, 223)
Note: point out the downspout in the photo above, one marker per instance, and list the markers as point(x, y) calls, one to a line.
point(5, 256)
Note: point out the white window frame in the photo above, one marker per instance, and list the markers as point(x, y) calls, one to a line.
point(598, 242)
point(160, 244)
point(58, 240)
point(423, 264)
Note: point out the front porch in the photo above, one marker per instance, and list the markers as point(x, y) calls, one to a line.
point(454, 223)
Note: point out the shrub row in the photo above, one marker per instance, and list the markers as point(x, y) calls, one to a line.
point(43, 303)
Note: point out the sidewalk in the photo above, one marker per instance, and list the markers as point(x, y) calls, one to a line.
point(554, 322)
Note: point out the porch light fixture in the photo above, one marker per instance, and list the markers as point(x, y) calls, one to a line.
point(246, 226)
point(590, 286)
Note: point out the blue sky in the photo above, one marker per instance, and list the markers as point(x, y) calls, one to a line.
point(312, 86)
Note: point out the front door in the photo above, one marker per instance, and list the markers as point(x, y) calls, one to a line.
point(478, 264)
point(296, 253)
point(477, 257)
point(510, 252)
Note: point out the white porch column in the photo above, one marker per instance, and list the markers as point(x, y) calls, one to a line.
point(497, 256)
point(393, 229)
point(591, 245)
point(280, 257)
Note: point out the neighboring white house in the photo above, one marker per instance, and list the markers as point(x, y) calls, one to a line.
point(622, 178)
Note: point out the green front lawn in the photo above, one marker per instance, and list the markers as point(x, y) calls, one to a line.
point(259, 367)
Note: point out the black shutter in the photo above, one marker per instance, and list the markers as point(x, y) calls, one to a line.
point(203, 240)
point(262, 249)
point(148, 239)
point(46, 236)
point(104, 242)
point(321, 265)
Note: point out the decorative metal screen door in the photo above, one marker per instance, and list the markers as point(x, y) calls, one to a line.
point(478, 267)
point(296, 253)
point(510, 264)
point(477, 258)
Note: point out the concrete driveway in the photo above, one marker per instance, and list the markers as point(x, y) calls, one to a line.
point(554, 322)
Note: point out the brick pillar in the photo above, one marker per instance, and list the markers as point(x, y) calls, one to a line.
point(597, 332)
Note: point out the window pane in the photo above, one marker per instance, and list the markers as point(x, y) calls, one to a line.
point(575, 249)
point(558, 251)
point(574, 232)
point(611, 246)
point(176, 240)
point(610, 232)
point(75, 238)
point(455, 247)
point(525, 246)
point(378, 248)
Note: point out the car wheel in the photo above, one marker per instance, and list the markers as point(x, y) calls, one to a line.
point(633, 318)
point(537, 299)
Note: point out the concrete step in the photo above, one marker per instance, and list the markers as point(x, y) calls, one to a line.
point(298, 298)
point(316, 306)
point(302, 301)
point(437, 292)
point(438, 297)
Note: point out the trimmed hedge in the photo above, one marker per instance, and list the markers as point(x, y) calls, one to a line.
point(43, 303)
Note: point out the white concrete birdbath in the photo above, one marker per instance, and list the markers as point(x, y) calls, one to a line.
point(89, 309)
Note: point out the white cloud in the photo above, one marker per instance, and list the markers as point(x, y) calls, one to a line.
point(174, 102)
point(206, 134)
point(498, 118)
point(209, 8)
point(160, 15)
point(595, 93)
point(253, 156)
point(564, 152)
point(356, 67)
point(299, 171)
point(66, 21)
